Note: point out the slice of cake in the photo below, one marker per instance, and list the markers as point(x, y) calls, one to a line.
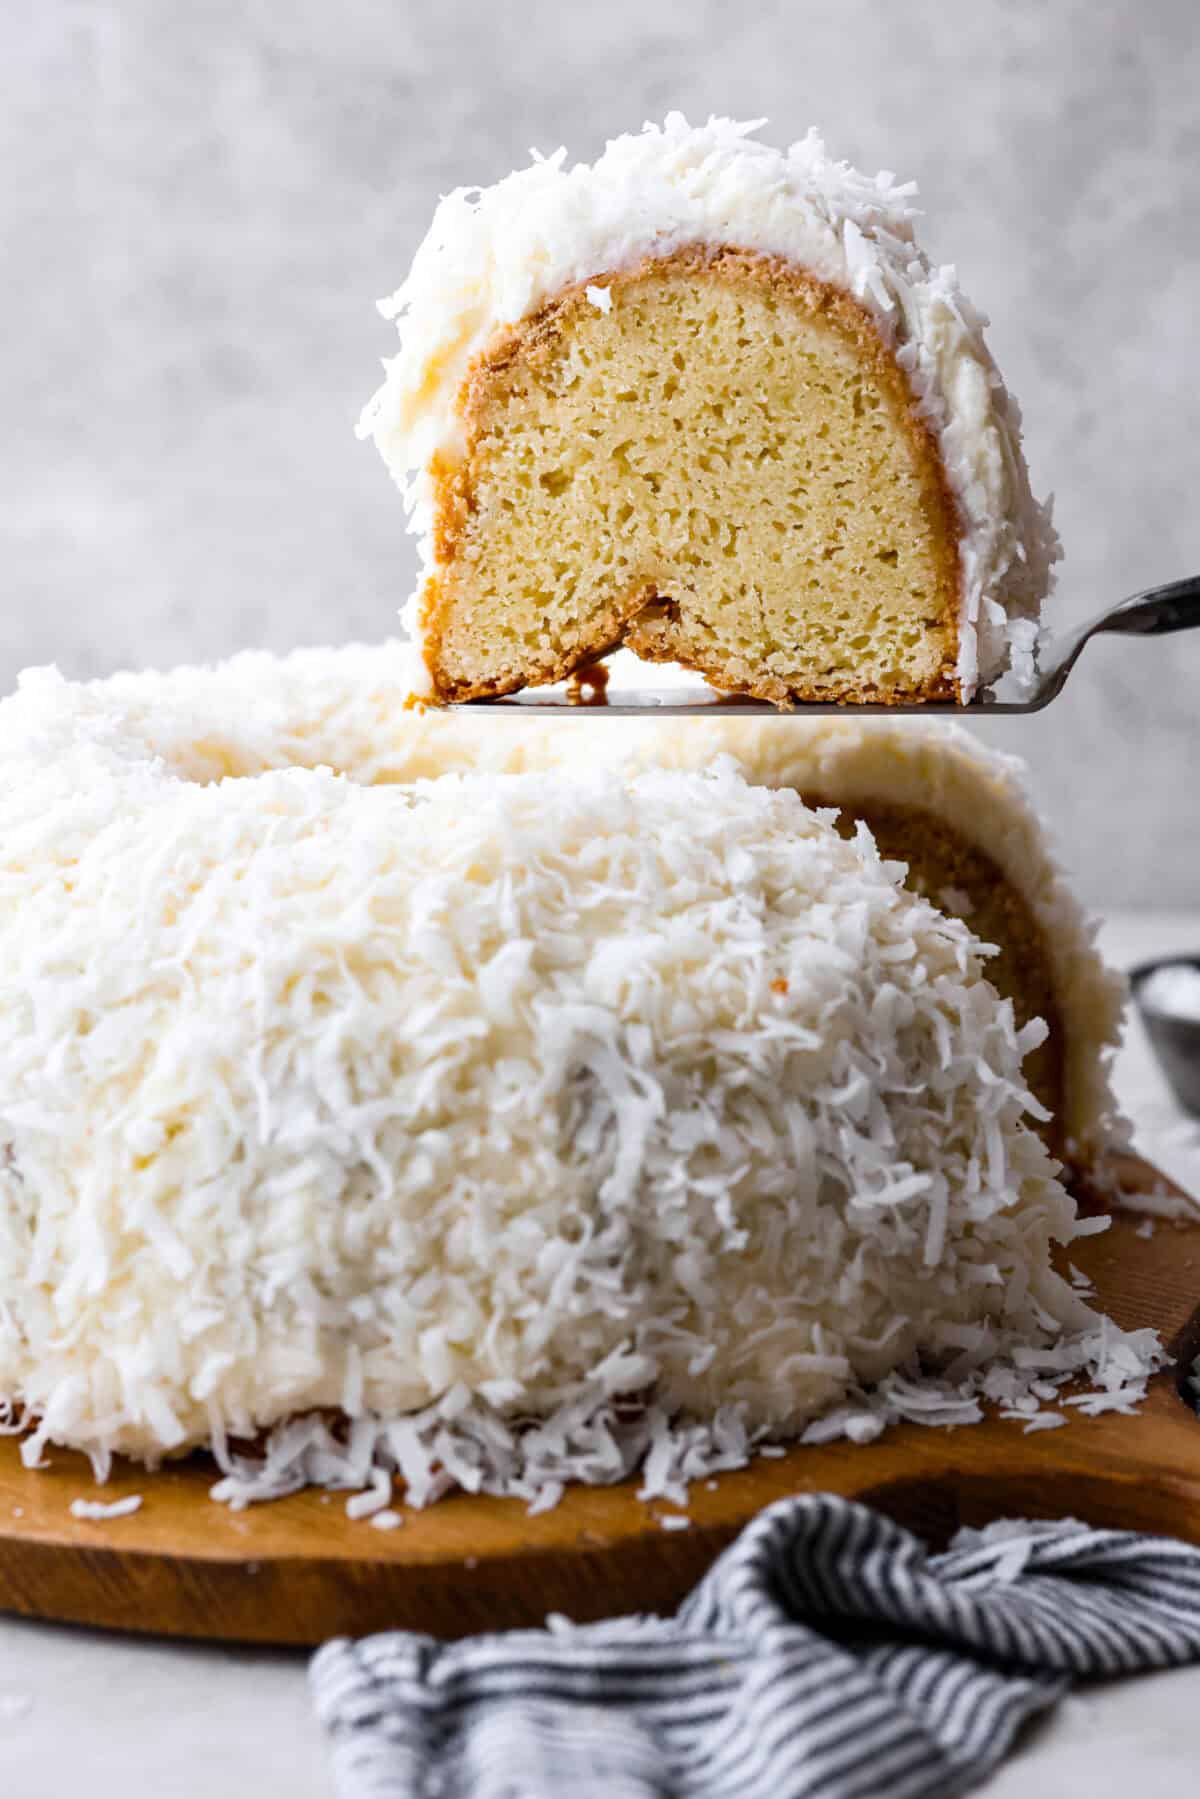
point(710, 400)
point(447, 1106)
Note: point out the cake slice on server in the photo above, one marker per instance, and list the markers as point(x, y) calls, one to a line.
point(708, 399)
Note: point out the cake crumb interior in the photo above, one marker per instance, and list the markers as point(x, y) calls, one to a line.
point(724, 468)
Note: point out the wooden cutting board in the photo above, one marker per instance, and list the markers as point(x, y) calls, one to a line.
point(299, 1571)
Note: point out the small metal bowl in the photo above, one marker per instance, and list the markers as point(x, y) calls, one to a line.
point(1176, 1040)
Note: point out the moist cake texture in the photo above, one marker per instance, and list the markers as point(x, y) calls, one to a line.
point(723, 468)
point(710, 400)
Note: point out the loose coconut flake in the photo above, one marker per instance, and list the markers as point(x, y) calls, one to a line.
point(96, 1511)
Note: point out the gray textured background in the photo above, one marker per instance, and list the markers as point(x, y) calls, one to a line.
point(202, 199)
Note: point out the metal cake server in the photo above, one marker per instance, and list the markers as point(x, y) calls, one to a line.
point(1175, 607)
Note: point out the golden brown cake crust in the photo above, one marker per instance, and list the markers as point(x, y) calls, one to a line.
point(641, 616)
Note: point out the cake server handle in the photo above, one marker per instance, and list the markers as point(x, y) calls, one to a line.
point(1174, 607)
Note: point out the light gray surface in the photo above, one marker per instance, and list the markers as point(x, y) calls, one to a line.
point(201, 203)
point(112, 1717)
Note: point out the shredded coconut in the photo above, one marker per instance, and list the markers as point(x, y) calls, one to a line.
point(492, 257)
point(546, 1127)
point(374, 1500)
point(97, 1511)
point(1000, 1551)
point(386, 1520)
point(956, 900)
point(344, 709)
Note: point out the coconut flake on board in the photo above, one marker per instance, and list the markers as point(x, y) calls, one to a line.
point(97, 1512)
point(602, 1444)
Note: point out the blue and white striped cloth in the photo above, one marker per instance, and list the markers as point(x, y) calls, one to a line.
point(826, 1653)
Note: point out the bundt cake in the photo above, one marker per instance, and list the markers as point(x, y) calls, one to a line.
point(464, 1108)
point(709, 400)
point(957, 814)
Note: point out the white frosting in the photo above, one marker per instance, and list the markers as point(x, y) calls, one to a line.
point(494, 256)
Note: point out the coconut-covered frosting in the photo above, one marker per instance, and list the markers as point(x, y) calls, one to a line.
point(938, 767)
point(344, 709)
point(494, 256)
point(457, 1103)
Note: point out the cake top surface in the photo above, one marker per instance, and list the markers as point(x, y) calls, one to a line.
point(493, 256)
point(342, 708)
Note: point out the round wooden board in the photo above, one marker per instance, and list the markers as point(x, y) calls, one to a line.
point(298, 1571)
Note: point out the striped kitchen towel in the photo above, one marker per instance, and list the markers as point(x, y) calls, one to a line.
point(826, 1653)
